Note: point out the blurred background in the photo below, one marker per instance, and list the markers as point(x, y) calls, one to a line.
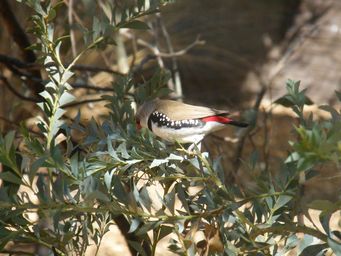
point(234, 54)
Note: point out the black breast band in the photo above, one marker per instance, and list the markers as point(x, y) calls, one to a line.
point(161, 120)
point(150, 127)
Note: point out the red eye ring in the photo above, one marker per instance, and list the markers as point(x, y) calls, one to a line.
point(138, 124)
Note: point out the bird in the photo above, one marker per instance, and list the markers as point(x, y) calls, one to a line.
point(175, 121)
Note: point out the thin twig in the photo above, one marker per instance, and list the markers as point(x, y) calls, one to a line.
point(11, 88)
point(20, 38)
point(143, 62)
point(77, 18)
point(157, 53)
point(82, 67)
point(76, 103)
point(11, 123)
point(10, 61)
point(91, 87)
point(177, 87)
point(72, 32)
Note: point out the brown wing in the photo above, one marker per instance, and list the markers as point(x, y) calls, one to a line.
point(181, 111)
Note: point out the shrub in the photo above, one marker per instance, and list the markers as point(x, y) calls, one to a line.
point(119, 175)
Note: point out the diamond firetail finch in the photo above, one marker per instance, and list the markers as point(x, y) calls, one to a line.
point(179, 122)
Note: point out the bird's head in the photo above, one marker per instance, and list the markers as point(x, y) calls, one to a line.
point(143, 113)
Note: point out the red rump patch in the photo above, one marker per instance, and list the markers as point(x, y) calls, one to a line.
point(219, 119)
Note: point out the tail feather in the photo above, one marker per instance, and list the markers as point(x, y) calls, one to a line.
point(224, 120)
point(239, 124)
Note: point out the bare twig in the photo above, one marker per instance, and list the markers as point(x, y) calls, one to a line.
point(7, 60)
point(20, 38)
point(156, 51)
point(197, 42)
point(177, 87)
point(81, 67)
point(16, 31)
point(14, 62)
point(145, 60)
point(73, 104)
point(77, 18)
point(16, 125)
point(72, 32)
point(91, 87)
point(11, 88)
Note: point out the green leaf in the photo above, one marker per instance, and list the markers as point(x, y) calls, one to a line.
point(9, 139)
point(182, 197)
point(324, 220)
point(146, 227)
point(285, 101)
point(135, 24)
point(158, 162)
point(144, 198)
point(137, 246)
point(174, 157)
point(122, 148)
point(170, 201)
point(51, 15)
point(165, 231)
point(66, 98)
point(135, 223)
point(40, 162)
point(119, 191)
point(112, 151)
point(108, 178)
point(10, 177)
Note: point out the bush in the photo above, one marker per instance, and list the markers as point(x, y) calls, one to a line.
point(119, 175)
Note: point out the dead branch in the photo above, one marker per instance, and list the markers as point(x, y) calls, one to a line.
point(14, 91)
point(21, 39)
point(177, 87)
point(82, 67)
point(72, 32)
point(157, 52)
point(14, 62)
point(76, 103)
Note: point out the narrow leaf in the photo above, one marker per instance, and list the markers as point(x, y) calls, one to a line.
point(136, 24)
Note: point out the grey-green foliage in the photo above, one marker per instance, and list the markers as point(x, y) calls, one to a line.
point(161, 189)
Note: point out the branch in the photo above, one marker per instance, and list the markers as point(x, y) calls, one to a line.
point(156, 51)
point(14, 62)
point(76, 103)
point(13, 90)
point(72, 32)
point(15, 30)
point(21, 39)
point(95, 69)
point(91, 87)
point(14, 124)
point(176, 81)
point(184, 50)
